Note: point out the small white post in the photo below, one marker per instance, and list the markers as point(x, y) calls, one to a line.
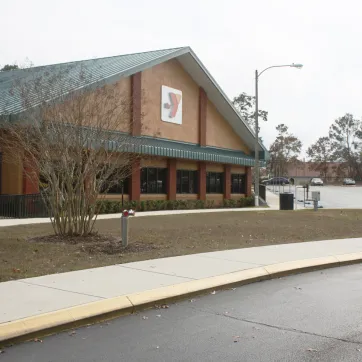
point(124, 227)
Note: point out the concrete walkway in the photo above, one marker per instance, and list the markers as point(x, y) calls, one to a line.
point(36, 296)
point(272, 199)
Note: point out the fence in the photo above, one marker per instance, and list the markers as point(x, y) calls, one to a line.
point(22, 206)
point(262, 192)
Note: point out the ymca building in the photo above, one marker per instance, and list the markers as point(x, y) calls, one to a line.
point(195, 144)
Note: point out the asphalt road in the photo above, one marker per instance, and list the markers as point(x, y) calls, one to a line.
point(332, 197)
point(308, 317)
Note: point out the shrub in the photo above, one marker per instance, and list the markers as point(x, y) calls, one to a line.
point(113, 206)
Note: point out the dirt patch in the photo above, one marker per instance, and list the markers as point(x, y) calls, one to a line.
point(96, 243)
point(163, 236)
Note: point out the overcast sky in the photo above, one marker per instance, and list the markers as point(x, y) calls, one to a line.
point(231, 37)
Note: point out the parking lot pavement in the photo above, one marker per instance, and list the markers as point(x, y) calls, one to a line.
point(332, 197)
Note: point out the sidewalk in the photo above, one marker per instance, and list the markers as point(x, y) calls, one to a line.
point(81, 293)
point(272, 200)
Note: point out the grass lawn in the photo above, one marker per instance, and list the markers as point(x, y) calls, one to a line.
point(172, 235)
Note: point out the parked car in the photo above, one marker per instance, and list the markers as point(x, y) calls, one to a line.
point(316, 181)
point(276, 181)
point(349, 181)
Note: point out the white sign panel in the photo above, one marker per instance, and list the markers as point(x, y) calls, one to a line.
point(171, 105)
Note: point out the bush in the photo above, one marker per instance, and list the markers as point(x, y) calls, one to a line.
point(112, 206)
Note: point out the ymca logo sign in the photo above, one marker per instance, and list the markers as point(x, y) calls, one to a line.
point(171, 105)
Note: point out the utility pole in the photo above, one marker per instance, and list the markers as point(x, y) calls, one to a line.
point(256, 162)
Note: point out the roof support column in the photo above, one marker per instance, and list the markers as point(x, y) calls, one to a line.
point(227, 182)
point(202, 181)
point(171, 179)
point(202, 116)
point(248, 180)
point(30, 178)
point(135, 181)
point(136, 104)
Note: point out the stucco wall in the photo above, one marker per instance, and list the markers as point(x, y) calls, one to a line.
point(218, 198)
point(187, 165)
point(145, 197)
point(154, 162)
point(238, 169)
point(11, 178)
point(214, 167)
point(219, 133)
point(170, 74)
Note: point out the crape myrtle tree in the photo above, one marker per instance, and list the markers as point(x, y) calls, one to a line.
point(76, 143)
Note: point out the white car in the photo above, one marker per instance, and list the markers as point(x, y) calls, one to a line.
point(316, 181)
point(349, 181)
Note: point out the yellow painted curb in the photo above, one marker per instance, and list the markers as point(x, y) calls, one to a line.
point(107, 308)
point(66, 316)
point(289, 266)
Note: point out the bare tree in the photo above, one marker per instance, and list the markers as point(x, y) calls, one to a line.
point(284, 151)
point(321, 154)
point(76, 143)
point(245, 105)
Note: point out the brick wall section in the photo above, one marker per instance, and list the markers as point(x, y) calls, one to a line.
point(30, 180)
point(171, 179)
point(248, 181)
point(227, 182)
point(135, 181)
point(136, 104)
point(202, 181)
point(202, 117)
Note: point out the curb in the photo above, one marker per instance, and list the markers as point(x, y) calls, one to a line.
point(49, 323)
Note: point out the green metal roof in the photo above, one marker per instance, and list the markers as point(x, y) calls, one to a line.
point(59, 79)
point(189, 151)
point(71, 76)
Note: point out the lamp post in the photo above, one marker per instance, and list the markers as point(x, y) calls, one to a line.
point(256, 163)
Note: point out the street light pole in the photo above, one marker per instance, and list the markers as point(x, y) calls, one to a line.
point(256, 160)
point(256, 164)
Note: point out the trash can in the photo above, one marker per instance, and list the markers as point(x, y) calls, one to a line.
point(286, 201)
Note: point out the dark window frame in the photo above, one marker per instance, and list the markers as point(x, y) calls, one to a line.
point(214, 182)
point(238, 183)
point(159, 181)
point(116, 188)
point(191, 186)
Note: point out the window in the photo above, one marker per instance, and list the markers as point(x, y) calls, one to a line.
point(238, 182)
point(153, 180)
point(186, 182)
point(214, 182)
point(113, 184)
point(116, 188)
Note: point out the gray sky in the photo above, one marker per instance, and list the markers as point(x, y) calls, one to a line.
point(232, 38)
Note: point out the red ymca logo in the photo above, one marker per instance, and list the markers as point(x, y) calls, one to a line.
point(175, 100)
